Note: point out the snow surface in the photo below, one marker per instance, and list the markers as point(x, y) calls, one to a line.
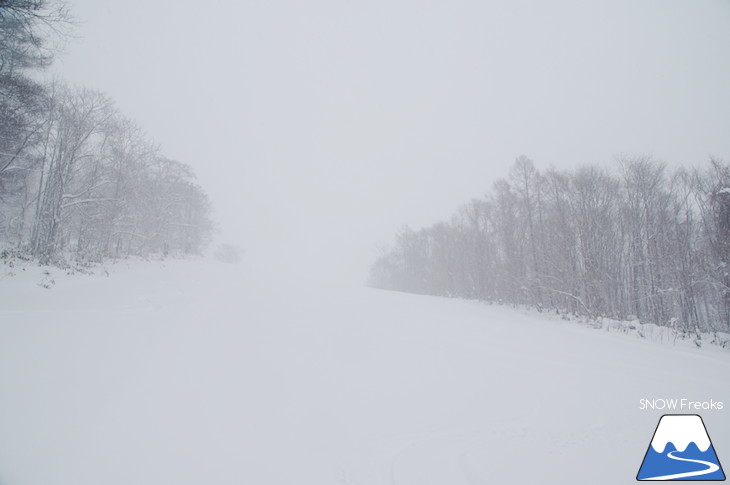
point(680, 430)
point(195, 372)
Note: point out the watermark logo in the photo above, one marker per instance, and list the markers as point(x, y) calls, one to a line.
point(681, 450)
point(679, 405)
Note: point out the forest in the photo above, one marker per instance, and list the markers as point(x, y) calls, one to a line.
point(641, 242)
point(77, 178)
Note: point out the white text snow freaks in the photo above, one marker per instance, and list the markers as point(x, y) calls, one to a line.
point(679, 404)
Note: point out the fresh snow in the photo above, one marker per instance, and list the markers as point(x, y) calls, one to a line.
point(193, 372)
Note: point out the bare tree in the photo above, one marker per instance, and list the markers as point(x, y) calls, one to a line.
point(76, 132)
point(638, 244)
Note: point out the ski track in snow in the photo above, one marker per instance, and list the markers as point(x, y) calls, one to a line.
point(197, 372)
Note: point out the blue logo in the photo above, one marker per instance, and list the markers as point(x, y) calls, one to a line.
point(681, 450)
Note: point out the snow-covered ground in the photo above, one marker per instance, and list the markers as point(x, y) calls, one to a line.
point(193, 372)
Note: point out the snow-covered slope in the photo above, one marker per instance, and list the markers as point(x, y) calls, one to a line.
point(198, 372)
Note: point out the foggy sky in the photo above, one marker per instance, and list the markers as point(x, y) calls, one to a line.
point(320, 127)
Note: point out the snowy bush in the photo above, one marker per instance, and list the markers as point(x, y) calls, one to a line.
point(228, 253)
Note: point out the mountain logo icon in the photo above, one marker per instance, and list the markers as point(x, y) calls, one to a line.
point(681, 450)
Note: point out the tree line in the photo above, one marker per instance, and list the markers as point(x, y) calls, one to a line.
point(76, 176)
point(642, 243)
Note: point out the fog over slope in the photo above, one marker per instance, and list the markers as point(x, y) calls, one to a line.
point(320, 128)
point(311, 133)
